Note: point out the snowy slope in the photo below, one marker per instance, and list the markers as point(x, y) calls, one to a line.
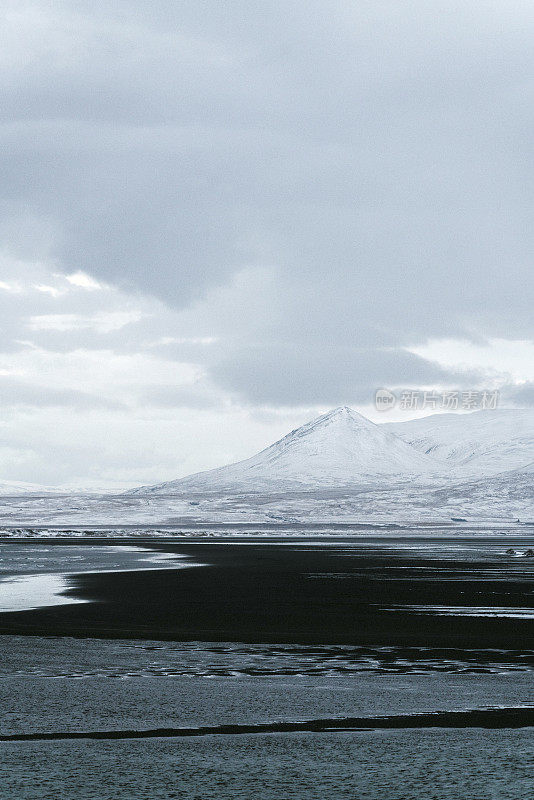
point(340, 448)
point(481, 443)
point(13, 488)
point(16, 488)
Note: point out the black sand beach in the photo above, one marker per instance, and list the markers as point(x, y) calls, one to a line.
point(310, 593)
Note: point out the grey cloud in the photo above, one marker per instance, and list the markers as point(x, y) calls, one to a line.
point(374, 157)
point(522, 395)
point(170, 396)
point(17, 393)
point(328, 374)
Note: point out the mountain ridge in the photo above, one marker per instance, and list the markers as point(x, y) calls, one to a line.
point(480, 443)
point(338, 448)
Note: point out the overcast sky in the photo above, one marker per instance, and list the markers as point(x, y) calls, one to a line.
point(219, 218)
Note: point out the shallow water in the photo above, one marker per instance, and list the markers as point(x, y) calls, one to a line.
point(64, 657)
point(89, 684)
point(36, 576)
point(386, 765)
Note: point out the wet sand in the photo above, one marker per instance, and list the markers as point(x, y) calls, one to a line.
point(312, 593)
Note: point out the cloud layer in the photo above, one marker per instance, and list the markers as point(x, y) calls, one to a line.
point(228, 208)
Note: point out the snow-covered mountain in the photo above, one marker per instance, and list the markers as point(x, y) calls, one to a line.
point(340, 448)
point(479, 444)
point(338, 468)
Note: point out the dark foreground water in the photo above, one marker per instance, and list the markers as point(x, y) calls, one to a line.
point(390, 765)
point(63, 686)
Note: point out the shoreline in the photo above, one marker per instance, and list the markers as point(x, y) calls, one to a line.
point(22, 591)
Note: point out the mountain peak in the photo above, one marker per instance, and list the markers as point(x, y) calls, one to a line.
point(339, 448)
point(339, 412)
point(340, 417)
point(342, 411)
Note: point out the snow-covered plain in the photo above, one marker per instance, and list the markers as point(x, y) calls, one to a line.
point(339, 468)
